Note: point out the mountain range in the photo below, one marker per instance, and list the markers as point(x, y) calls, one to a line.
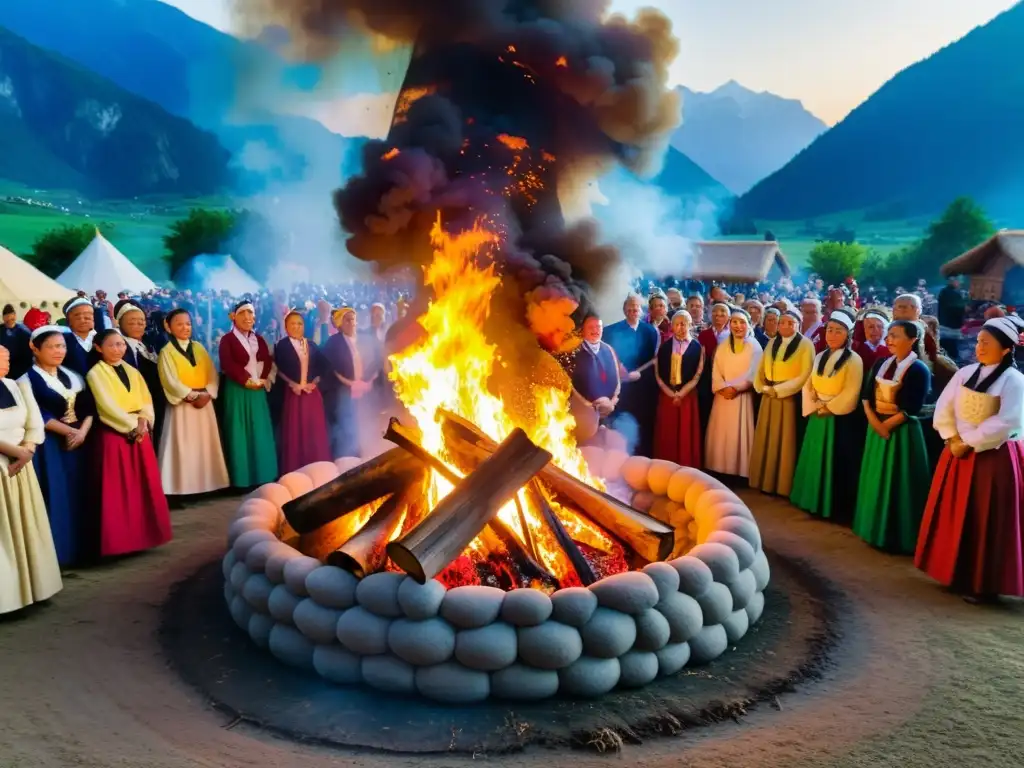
point(948, 126)
point(740, 136)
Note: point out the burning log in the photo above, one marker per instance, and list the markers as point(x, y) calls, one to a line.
point(649, 538)
point(361, 485)
point(365, 552)
point(462, 515)
point(527, 558)
point(583, 569)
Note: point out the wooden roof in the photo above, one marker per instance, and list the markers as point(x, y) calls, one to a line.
point(742, 261)
point(1008, 243)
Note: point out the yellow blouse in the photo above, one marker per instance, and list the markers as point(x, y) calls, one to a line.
point(118, 407)
point(789, 375)
point(839, 393)
point(178, 377)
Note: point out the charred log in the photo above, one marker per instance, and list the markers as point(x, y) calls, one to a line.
point(380, 476)
point(650, 539)
point(579, 563)
point(462, 515)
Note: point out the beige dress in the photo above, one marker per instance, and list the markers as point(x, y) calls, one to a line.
point(29, 571)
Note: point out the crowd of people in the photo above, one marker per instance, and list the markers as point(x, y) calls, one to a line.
point(840, 407)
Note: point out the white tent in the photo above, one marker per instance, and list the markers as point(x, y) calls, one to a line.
point(21, 283)
point(102, 267)
point(218, 272)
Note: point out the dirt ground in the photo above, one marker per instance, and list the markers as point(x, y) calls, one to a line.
point(920, 678)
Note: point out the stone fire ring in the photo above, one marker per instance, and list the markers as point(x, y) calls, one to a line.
point(470, 643)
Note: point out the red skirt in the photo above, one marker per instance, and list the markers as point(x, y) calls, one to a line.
point(302, 431)
point(972, 534)
point(134, 515)
point(677, 432)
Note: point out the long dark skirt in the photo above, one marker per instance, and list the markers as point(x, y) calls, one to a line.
point(827, 472)
point(60, 479)
point(972, 534)
point(302, 431)
point(677, 431)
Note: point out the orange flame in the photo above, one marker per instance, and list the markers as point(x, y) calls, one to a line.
point(393, 152)
point(409, 97)
point(450, 368)
point(516, 143)
point(561, 61)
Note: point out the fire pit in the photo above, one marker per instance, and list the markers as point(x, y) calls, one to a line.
point(486, 554)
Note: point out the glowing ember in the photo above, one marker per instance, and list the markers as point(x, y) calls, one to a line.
point(561, 62)
point(391, 153)
point(450, 368)
point(407, 98)
point(513, 142)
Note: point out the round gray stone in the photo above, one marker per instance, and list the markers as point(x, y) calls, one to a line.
point(282, 604)
point(257, 591)
point(332, 587)
point(256, 560)
point(716, 604)
point(241, 612)
point(259, 629)
point(248, 540)
point(665, 578)
point(652, 630)
point(296, 571)
point(743, 589)
point(243, 526)
point(316, 622)
point(388, 673)
point(573, 606)
point(526, 607)
point(291, 646)
point(637, 668)
point(755, 607)
point(736, 626)
point(745, 529)
point(378, 592)
point(471, 607)
point(550, 645)
point(420, 601)
point(589, 677)
point(694, 575)
point(672, 658)
point(227, 564)
point(422, 643)
point(761, 571)
point(685, 617)
point(487, 648)
point(744, 552)
point(452, 683)
point(334, 663)
point(608, 634)
point(631, 592)
point(363, 632)
point(708, 644)
point(522, 683)
point(239, 575)
point(722, 560)
point(277, 561)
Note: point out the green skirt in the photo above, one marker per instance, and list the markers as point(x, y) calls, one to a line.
point(826, 477)
point(893, 489)
point(248, 436)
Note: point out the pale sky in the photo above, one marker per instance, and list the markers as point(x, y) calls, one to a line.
point(830, 54)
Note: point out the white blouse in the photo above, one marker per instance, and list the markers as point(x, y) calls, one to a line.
point(22, 422)
point(1006, 424)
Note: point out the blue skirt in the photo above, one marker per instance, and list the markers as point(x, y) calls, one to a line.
point(60, 478)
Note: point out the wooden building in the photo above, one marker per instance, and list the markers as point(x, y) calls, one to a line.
point(987, 264)
point(737, 261)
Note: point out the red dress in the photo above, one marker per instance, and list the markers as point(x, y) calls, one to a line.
point(677, 429)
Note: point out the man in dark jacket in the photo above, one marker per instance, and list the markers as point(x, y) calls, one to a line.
point(15, 337)
point(952, 306)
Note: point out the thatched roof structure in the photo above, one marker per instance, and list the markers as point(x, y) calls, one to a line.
point(987, 263)
point(741, 261)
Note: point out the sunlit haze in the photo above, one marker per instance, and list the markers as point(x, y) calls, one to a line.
point(830, 55)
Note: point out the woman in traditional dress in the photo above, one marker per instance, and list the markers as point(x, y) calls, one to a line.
point(134, 513)
point(350, 367)
point(302, 429)
point(825, 481)
point(246, 363)
point(67, 410)
point(890, 494)
point(191, 457)
point(677, 433)
point(771, 325)
point(730, 433)
point(972, 534)
point(709, 339)
point(785, 367)
point(131, 320)
point(29, 572)
point(78, 336)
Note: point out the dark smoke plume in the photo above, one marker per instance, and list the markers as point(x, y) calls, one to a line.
point(501, 98)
